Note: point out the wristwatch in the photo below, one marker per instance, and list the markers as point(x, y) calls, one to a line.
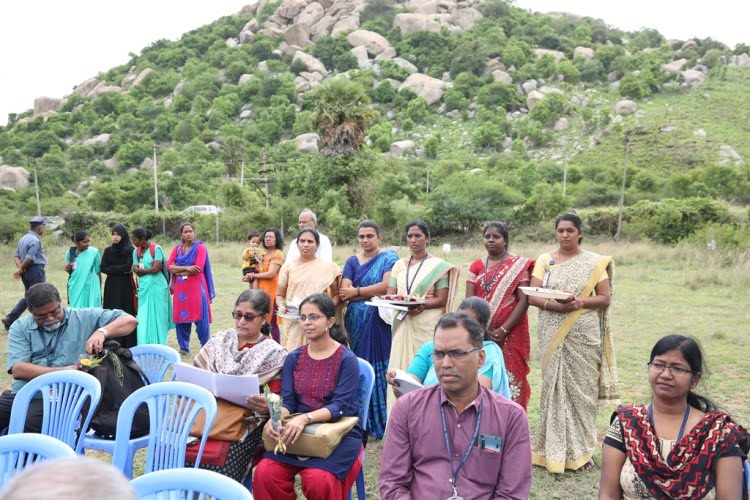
point(104, 331)
point(309, 417)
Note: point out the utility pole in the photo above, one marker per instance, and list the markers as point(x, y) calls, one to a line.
point(242, 172)
point(36, 191)
point(156, 184)
point(565, 177)
point(626, 140)
point(264, 171)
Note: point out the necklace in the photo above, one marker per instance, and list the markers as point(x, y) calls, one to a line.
point(410, 286)
point(487, 284)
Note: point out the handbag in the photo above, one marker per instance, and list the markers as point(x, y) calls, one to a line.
point(229, 424)
point(317, 440)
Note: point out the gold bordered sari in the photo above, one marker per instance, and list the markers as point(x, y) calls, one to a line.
point(578, 364)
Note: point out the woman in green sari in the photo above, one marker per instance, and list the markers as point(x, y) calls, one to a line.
point(578, 362)
point(422, 275)
point(154, 301)
point(82, 263)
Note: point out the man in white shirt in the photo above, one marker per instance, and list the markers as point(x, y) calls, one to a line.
point(307, 219)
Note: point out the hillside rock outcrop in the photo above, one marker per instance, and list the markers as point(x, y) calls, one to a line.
point(13, 177)
point(430, 89)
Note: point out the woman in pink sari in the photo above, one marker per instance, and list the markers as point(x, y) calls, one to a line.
point(192, 288)
point(496, 279)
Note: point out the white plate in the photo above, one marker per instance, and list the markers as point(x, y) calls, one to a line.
point(545, 293)
point(288, 316)
point(382, 303)
point(406, 303)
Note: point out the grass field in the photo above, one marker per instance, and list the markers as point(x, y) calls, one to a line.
point(658, 290)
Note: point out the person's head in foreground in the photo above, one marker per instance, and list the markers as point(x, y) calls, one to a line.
point(458, 356)
point(478, 309)
point(69, 478)
point(678, 446)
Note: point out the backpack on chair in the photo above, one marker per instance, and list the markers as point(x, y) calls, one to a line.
point(119, 376)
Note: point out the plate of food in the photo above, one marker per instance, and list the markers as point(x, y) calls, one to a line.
point(288, 315)
point(401, 300)
point(289, 309)
point(545, 293)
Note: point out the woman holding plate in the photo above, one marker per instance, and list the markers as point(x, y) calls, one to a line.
point(578, 360)
point(366, 275)
point(301, 277)
point(496, 279)
point(424, 276)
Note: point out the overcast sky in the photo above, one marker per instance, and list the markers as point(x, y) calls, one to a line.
point(49, 46)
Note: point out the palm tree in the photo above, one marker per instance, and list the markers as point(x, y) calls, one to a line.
point(342, 114)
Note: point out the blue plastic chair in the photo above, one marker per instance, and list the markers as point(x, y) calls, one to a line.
point(747, 475)
point(188, 483)
point(155, 360)
point(18, 451)
point(172, 408)
point(64, 394)
point(366, 385)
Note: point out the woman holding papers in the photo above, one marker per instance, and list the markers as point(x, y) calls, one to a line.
point(245, 350)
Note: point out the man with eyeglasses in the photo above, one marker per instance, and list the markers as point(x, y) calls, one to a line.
point(458, 439)
point(307, 219)
point(30, 261)
point(52, 338)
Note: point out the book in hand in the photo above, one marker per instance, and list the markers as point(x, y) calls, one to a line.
point(232, 388)
point(405, 382)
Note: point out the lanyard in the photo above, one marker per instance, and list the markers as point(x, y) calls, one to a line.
point(684, 420)
point(409, 287)
point(47, 351)
point(454, 472)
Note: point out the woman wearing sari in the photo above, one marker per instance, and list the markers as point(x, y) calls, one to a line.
point(426, 276)
point(578, 362)
point(496, 279)
point(119, 289)
point(83, 267)
point(192, 288)
point(680, 445)
point(366, 275)
point(268, 277)
point(244, 350)
point(154, 302)
point(301, 277)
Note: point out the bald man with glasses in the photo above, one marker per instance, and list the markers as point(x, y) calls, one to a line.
point(307, 219)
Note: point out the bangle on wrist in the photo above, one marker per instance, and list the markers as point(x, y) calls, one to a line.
point(104, 331)
point(359, 292)
point(502, 328)
point(545, 305)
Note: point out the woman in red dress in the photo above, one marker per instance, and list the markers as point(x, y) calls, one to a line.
point(496, 279)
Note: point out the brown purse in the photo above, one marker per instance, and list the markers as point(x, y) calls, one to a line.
point(316, 440)
point(229, 424)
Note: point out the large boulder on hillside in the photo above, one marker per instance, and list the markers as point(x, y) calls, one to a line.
point(251, 25)
point(533, 97)
point(430, 89)
point(556, 54)
point(502, 77)
point(674, 66)
point(465, 18)
point(360, 54)
point(388, 53)
point(97, 139)
point(345, 24)
point(322, 27)
point(585, 52)
point(246, 37)
point(85, 87)
point(44, 104)
point(740, 60)
point(13, 177)
point(111, 163)
point(423, 6)
point(692, 78)
point(307, 143)
point(312, 63)
point(142, 76)
point(297, 35)
point(400, 148)
point(310, 15)
point(375, 43)
point(290, 8)
point(626, 107)
point(410, 23)
point(103, 88)
point(246, 77)
point(404, 64)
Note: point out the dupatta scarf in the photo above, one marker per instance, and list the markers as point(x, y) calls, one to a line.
point(188, 259)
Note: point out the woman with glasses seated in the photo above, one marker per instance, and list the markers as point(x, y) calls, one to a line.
point(246, 349)
point(679, 445)
point(492, 374)
point(320, 383)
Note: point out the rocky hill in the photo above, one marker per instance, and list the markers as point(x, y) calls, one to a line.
point(472, 110)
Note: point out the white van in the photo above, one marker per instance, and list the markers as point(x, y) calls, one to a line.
point(203, 209)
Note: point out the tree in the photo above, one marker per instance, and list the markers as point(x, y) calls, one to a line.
point(342, 113)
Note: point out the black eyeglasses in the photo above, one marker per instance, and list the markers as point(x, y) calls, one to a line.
point(454, 354)
point(248, 317)
point(53, 313)
point(673, 370)
point(311, 317)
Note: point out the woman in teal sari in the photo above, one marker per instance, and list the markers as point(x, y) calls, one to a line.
point(366, 275)
point(82, 263)
point(154, 302)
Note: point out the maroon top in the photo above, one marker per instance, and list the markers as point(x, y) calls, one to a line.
point(315, 379)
